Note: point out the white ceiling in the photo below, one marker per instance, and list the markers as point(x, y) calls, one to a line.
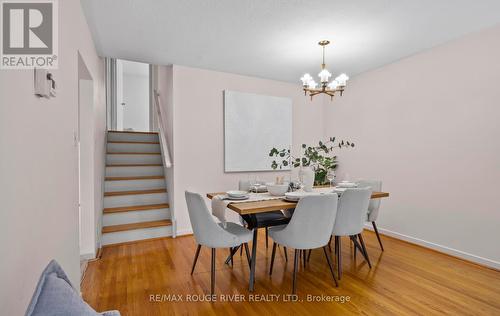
point(277, 39)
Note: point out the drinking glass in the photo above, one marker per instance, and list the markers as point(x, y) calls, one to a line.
point(330, 176)
point(254, 182)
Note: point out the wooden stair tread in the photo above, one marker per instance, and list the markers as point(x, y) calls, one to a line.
point(136, 165)
point(133, 132)
point(130, 142)
point(132, 153)
point(135, 208)
point(134, 178)
point(135, 192)
point(132, 226)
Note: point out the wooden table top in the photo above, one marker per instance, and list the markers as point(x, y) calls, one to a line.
point(246, 208)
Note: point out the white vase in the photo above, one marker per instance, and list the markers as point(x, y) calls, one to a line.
point(306, 174)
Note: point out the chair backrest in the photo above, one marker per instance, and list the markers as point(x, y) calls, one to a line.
point(351, 213)
point(206, 231)
point(312, 222)
point(374, 205)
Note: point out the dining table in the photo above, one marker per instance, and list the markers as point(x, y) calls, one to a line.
point(248, 210)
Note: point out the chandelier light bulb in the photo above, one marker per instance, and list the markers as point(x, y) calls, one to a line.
point(305, 79)
point(342, 80)
point(312, 84)
point(333, 85)
point(324, 75)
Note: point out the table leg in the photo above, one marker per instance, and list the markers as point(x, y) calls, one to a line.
point(252, 262)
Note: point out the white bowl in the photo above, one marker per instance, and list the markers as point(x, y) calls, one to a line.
point(277, 189)
point(237, 194)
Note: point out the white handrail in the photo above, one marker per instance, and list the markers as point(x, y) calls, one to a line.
point(167, 161)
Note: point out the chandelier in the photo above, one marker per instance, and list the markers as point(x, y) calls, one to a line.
point(330, 88)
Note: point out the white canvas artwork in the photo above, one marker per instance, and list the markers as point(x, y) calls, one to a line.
point(253, 124)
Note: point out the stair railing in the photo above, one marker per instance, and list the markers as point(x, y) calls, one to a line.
point(167, 160)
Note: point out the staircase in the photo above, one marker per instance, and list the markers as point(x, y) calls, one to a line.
point(135, 193)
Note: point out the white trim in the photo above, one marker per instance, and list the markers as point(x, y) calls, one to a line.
point(447, 250)
point(184, 232)
point(87, 256)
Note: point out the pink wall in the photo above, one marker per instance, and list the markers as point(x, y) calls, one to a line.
point(38, 165)
point(428, 126)
point(198, 130)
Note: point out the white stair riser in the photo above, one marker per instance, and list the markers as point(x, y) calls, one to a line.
point(136, 234)
point(136, 148)
point(130, 185)
point(134, 171)
point(134, 137)
point(133, 200)
point(133, 159)
point(135, 217)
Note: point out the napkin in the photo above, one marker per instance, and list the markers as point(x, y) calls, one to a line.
point(219, 209)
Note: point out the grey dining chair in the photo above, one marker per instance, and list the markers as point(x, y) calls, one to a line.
point(351, 217)
point(273, 217)
point(210, 234)
point(374, 206)
point(310, 227)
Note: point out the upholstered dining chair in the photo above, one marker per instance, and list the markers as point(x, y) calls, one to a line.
point(267, 217)
point(310, 227)
point(350, 219)
point(373, 207)
point(210, 234)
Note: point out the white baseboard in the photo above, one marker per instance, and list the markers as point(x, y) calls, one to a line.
point(87, 256)
point(184, 232)
point(453, 252)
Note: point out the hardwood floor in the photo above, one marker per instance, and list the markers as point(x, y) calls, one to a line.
point(405, 280)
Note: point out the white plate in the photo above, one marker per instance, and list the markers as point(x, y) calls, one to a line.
point(347, 185)
point(237, 194)
point(237, 198)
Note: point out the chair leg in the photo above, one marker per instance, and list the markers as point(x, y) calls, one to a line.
point(304, 257)
point(195, 258)
point(378, 236)
point(338, 243)
point(356, 245)
point(330, 244)
point(336, 246)
point(267, 238)
point(212, 279)
point(286, 254)
point(248, 254)
point(355, 249)
point(364, 250)
point(330, 265)
point(272, 259)
point(309, 255)
point(241, 251)
point(295, 264)
point(231, 255)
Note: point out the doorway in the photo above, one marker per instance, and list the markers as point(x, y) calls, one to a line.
point(85, 144)
point(129, 95)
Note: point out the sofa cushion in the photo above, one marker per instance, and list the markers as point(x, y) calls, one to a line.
point(54, 295)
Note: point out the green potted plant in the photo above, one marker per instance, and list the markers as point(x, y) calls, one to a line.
point(320, 158)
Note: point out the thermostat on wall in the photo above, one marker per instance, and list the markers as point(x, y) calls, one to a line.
point(45, 85)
